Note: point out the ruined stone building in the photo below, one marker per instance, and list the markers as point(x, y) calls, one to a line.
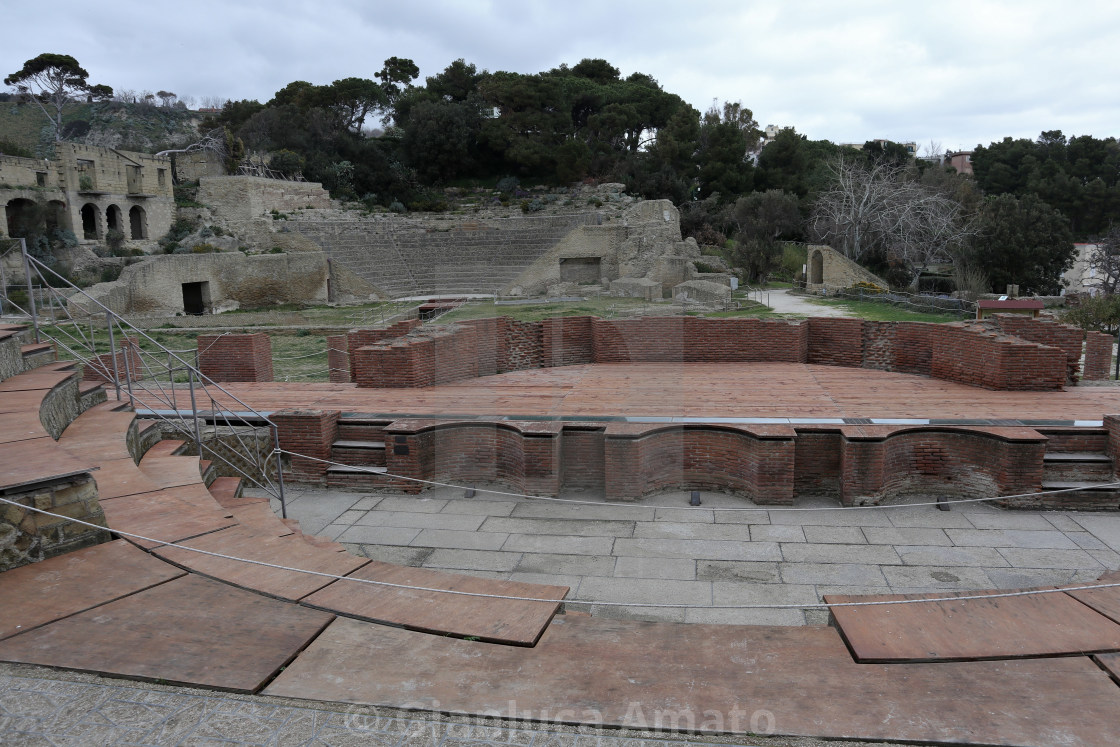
point(89, 190)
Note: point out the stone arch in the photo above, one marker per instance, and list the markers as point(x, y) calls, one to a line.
point(57, 216)
point(138, 222)
point(91, 221)
point(25, 218)
point(113, 219)
point(816, 267)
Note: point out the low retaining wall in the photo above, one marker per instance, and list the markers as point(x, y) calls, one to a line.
point(236, 357)
point(770, 464)
point(982, 354)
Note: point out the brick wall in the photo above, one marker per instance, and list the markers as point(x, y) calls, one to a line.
point(362, 337)
point(835, 342)
point(307, 432)
point(970, 354)
point(1098, 356)
point(100, 367)
point(582, 458)
point(978, 354)
point(817, 462)
point(1065, 337)
point(236, 357)
point(645, 459)
point(338, 359)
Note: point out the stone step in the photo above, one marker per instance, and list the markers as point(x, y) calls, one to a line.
point(1076, 466)
point(1085, 495)
point(368, 453)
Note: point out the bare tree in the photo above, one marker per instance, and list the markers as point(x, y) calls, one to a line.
point(1104, 262)
point(878, 208)
point(213, 141)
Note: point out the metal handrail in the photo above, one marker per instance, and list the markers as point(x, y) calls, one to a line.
point(77, 345)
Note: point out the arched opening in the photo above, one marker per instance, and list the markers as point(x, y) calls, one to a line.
point(91, 221)
point(25, 218)
point(816, 268)
point(138, 222)
point(113, 220)
point(57, 217)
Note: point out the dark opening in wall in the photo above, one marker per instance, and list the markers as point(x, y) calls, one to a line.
point(91, 217)
point(196, 298)
point(583, 270)
point(138, 222)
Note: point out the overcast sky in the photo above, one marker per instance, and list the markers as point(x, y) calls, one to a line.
point(957, 73)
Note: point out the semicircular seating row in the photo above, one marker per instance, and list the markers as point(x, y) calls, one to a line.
point(146, 609)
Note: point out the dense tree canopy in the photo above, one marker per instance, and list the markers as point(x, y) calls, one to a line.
point(51, 81)
point(1023, 241)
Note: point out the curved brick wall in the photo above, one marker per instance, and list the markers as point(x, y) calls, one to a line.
point(771, 464)
point(980, 354)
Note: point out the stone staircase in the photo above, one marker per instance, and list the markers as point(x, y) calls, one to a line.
point(407, 260)
point(1077, 458)
point(361, 448)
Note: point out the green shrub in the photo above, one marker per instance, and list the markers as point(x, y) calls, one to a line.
point(114, 239)
point(702, 267)
point(109, 273)
point(204, 249)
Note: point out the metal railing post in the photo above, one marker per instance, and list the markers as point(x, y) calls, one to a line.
point(113, 354)
point(279, 471)
point(194, 412)
point(30, 289)
point(3, 286)
point(128, 369)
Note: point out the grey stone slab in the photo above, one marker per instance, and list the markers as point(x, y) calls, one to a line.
point(754, 516)
point(942, 577)
point(317, 512)
point(1067, 559)
point(479, 506)
point(684, 515)
point(1009, 520)
point(365, 504)
point(683, 569)
point(667, 530)
point(652, 614)
point(841, 574)
point(1024, 538)
point(378, 535)
point(906, 536)
point(472, 560)
point(606, 511)
point(1105, 527)
point(863, 554)
point(645, 591)
point(777, 533)
point(731, 593)
point(824, 590)
point(935, 555)
point(459, 540)
point(461, 522)
point(350, 517)
point(716, 616)
point(1063, 522)
point(548, 579)
point(835, 535)
point(412, 504)
point(1085, 540)
point(560, 544)
point(393, 553)
point(1108, 558)
point(733, 570)
point(1025, 578)
point(697, 549)
point(840, 517)
point(575, 565)
point(927, 516)
point(575, 527)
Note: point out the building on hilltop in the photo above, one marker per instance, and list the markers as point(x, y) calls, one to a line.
point(89, 190)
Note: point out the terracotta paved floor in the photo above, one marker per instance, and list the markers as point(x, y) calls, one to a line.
point(696, 390)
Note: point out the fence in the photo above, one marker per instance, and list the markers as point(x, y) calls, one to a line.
point(157, 382)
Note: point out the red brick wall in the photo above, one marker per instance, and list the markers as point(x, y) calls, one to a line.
point(360, 338)
point(338, 359)
point(698, 340)
point(490, 343)
point(817, 463)
point(1098, 356)
point(581, 463)
point(236, 357)
point(647, 459)
point(1065, 337)
point(913, 351)
point(567, 341)
point(971, 355)
point(835, 342)
point(307, 432)
point(100, 367)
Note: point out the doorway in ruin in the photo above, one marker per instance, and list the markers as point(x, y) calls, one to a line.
point(816, 268)
point(25, 218)
point(581, 270)
point(138, 222)
point(113, 219)
point(196, 298)
point(91, 218)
